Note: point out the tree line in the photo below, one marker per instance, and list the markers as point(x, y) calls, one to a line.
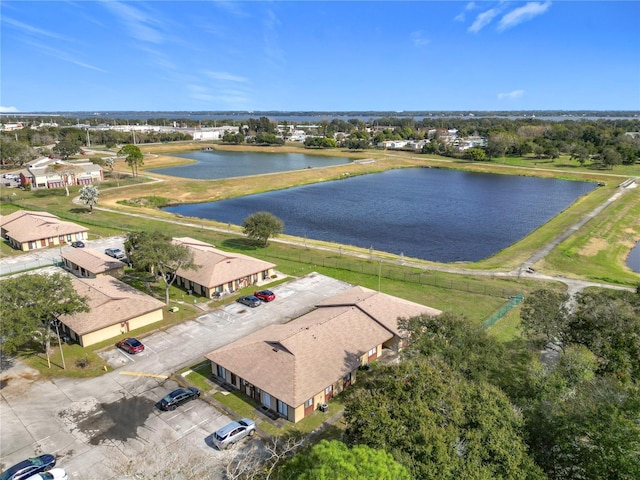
point(609, 142)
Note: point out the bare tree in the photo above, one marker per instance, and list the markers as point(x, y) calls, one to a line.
point(259, 461)
point(175, 462)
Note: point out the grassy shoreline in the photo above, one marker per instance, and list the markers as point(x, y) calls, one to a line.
point(609, 235)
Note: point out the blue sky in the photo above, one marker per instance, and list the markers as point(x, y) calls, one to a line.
point(319, 55)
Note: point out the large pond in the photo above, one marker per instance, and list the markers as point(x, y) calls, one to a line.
point(211, 164)
point(432, 214)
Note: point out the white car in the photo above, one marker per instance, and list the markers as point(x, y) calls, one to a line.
point(53, 474)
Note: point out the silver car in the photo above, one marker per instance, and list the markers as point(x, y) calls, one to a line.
point(234, 432)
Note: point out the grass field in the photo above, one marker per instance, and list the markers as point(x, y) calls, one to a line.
point(596, 251)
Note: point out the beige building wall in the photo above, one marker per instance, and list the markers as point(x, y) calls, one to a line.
point(120, 328)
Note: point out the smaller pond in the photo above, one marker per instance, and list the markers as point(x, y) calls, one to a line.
point(213, 164)
point(633, 260)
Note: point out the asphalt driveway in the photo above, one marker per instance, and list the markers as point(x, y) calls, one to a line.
point(109, 427)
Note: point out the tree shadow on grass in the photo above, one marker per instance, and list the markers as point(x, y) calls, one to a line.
point(80, 210)
point(245, 244)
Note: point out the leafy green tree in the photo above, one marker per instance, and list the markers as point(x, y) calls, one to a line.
point(156, 252)
point(357, 143)
point(437, 423)
point(580, 153)
point(28, 304)
point(452, 338)
point(320, 142)
point(261, 226)
point(588, 431)
point(334, 460)
point(608, 323)
point(235, 138)
point(89, 196)
point(133, 157)
point(611, 157)
point(263, 138)
point(475, 154)
point(15, 153)
point(66, 148)
point(545, 317)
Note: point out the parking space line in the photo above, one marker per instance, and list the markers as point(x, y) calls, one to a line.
point(126, 355)
point(194, 427)
point(140, 374)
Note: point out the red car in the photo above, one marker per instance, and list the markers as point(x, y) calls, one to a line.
point(265, 295)
point(130, 345)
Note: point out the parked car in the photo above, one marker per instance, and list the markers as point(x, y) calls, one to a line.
point(265, 295)
point(250, 301)
point(77, 244)
point(178, 397)
point(29, 467)
point(234, 432)
point(115, 253)
point(130, 345)
point(53, 474)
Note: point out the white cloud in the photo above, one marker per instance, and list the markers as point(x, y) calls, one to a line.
point(230, 77)
point(8, 109)
point(511, 95)
point(419, 40)
point(271, 44)
point(29, 29)
point(142, 26)
point(523, 14)
point(64, 55)
point(483, 19)
point(230, 7)
point(462, 15)
point(222, 99)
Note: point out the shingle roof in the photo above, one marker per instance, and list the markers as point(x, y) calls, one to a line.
point(92, 260)
point(385, 309)
point(297, 360)
point(24, 226)
point(216, 266)
point(110, 302)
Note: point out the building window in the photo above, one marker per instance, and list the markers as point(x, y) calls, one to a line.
point(308, 403)
point(328, 390)
point(373, 351)
point(283, 409)
point(222, 372)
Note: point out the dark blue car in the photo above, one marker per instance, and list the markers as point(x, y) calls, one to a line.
point(178, 397)
point(29, 467)
point(250, 301)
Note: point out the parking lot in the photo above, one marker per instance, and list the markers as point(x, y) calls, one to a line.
point(110, 427)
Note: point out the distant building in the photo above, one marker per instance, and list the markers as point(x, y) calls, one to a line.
point(50, 173)
point(10, 127)
point(27, 231)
